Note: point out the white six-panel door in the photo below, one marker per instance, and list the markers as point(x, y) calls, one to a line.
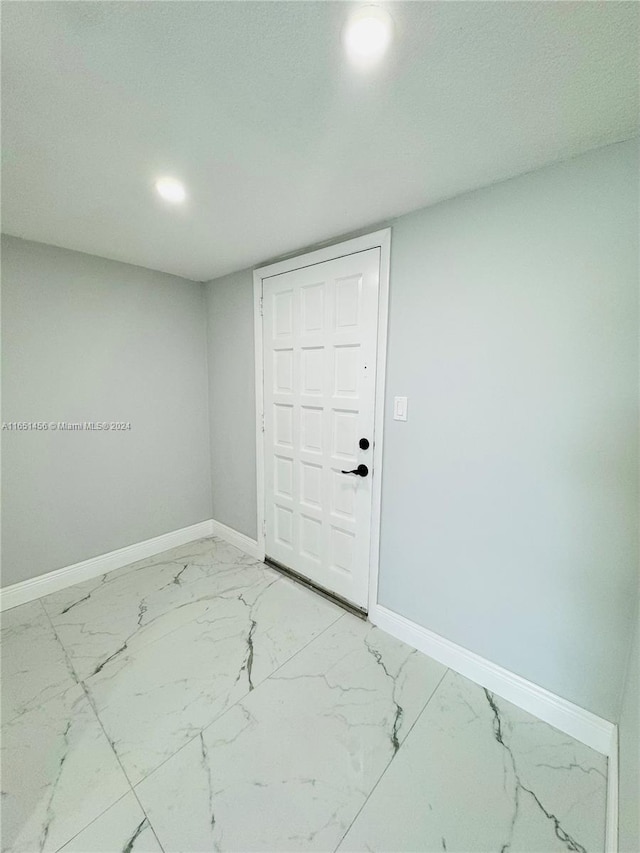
point(319, 340)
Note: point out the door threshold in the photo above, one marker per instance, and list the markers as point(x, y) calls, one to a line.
point(325, 593)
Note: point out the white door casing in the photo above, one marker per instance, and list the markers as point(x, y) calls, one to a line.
point(320, 348)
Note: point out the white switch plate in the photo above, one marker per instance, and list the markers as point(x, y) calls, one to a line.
point(399, 408)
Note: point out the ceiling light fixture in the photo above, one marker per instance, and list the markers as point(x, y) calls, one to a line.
point(367, 35)
point(171, 190)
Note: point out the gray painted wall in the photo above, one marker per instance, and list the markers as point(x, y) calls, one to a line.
point(90, 339)
point(232, 401)
point(629, 750)
point(509, 497)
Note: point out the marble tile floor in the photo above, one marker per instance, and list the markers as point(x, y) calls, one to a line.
point(199, 701)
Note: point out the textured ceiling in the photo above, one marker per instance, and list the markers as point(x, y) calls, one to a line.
point(281, 143)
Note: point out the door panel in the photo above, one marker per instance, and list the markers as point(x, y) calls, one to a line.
point(319, 338)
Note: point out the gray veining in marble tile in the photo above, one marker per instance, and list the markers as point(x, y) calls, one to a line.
point(478, 774)
point(123, 828)
point(205, 552)
point(288, 767)
point(130, 608)
point(34, 666)
point(255, 716)
point(155, 699)
point(59, 773)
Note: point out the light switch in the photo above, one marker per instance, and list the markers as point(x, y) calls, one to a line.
point(399, 408)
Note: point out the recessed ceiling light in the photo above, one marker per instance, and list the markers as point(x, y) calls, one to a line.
point(171, 190)
point(367, 35)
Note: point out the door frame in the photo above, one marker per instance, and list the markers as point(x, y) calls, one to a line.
point(376, 240)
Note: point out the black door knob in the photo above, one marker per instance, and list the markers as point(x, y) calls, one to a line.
point(361, 471)
point(364, 443)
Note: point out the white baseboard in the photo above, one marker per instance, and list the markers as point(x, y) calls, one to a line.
point(244, 543)
point(571, 719)
point(560, 713)
point(611, 837)
point(21, 593)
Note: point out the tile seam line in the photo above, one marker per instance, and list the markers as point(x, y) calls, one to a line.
point(143, 645)
point(126, 775)
point(340, 616)
point(70, 666)
point(91, 822)
point(151, 826)
point(233, 705)
point(99, 721)
point(57, 693)
point(391, 760)
point(132, 787)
